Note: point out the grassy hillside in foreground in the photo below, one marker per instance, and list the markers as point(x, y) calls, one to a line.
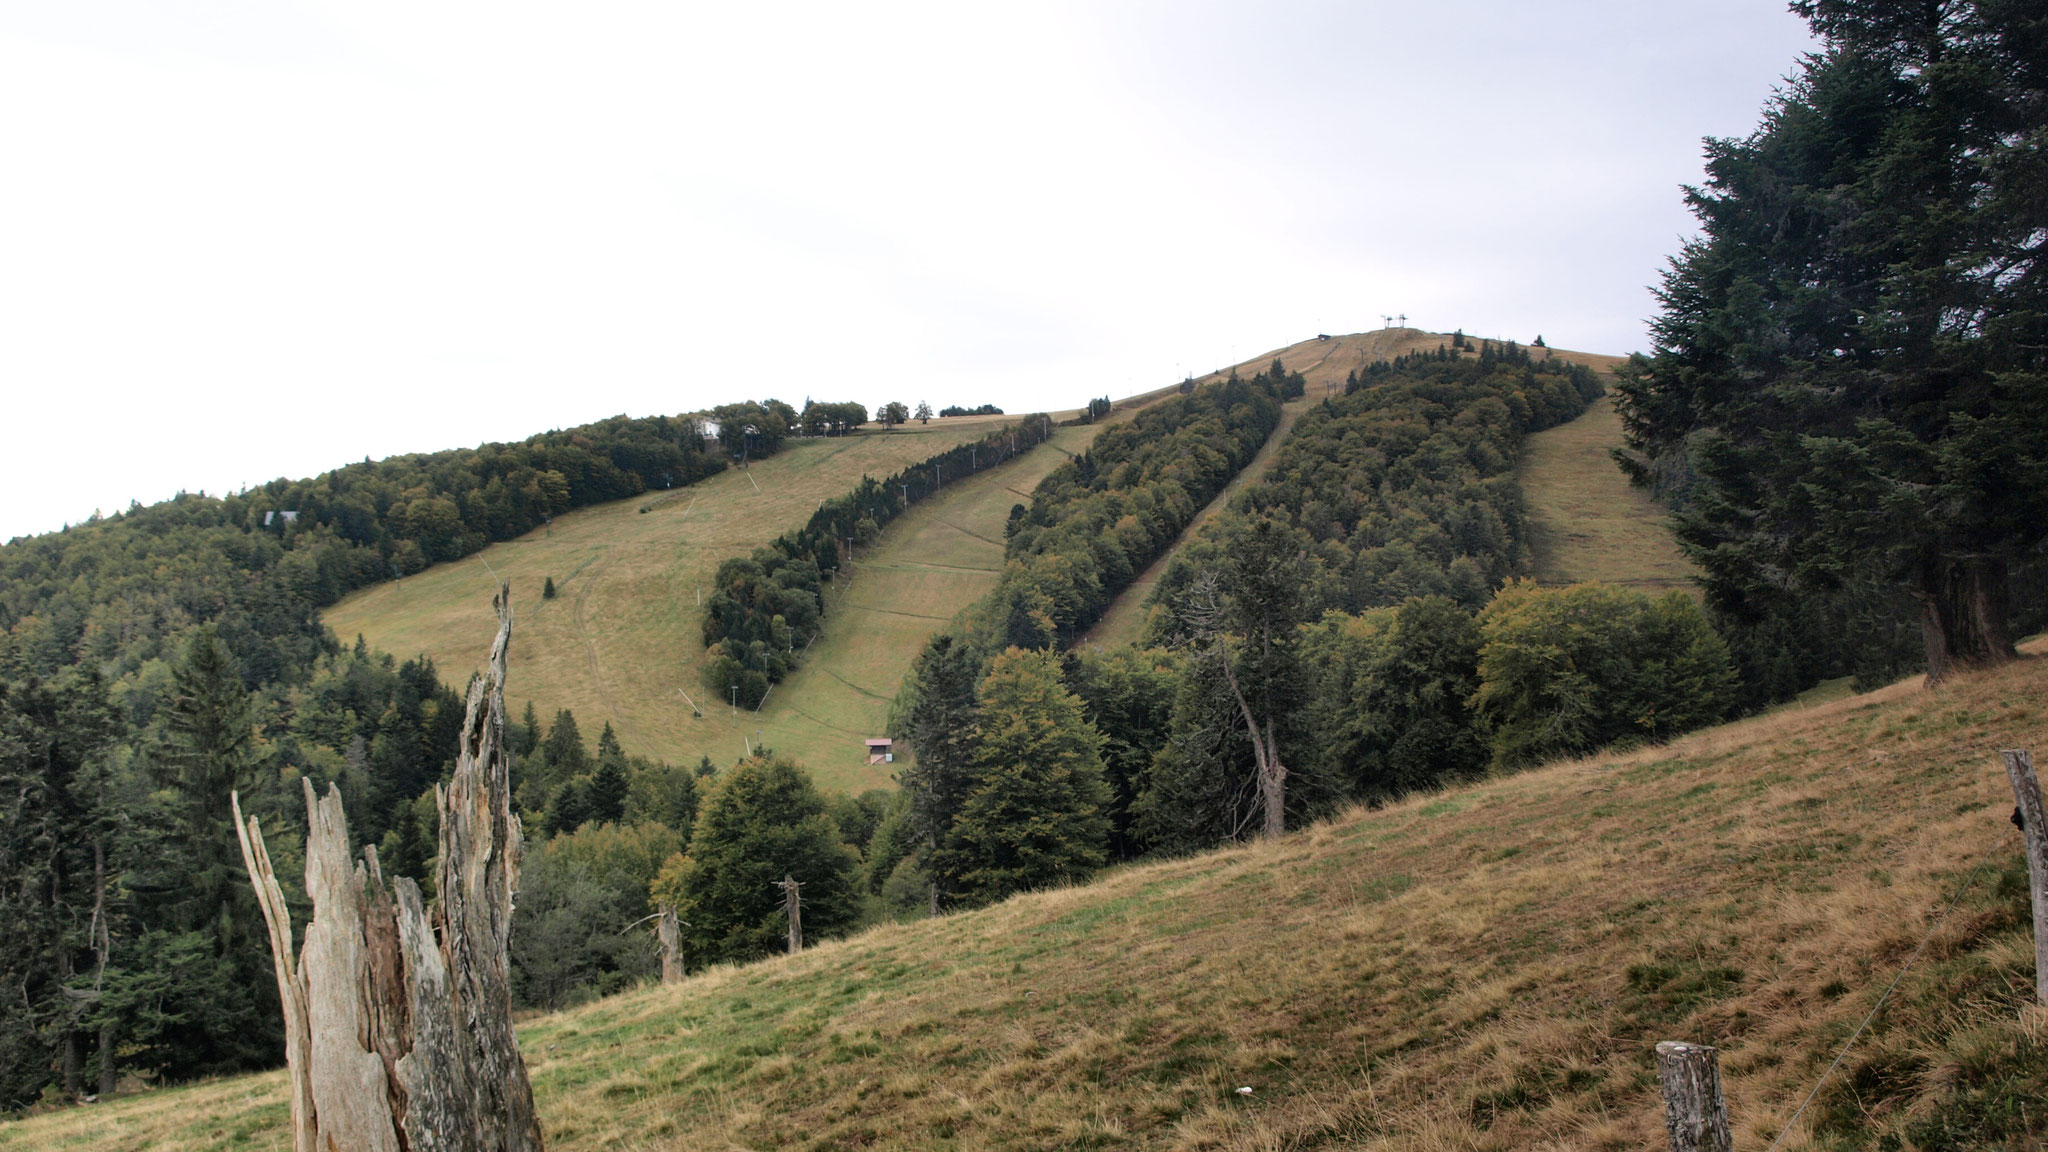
point(625, 630)
point(1588, 522)
point(1324, 364)
point(1486, 968)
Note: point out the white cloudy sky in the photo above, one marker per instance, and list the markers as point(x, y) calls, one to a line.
point(249, 238)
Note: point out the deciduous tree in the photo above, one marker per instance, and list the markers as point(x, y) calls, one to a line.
point(763, 820)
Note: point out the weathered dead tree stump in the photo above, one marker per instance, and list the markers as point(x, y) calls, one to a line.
point(398, 1020)
point(1695, 1115)
point(2026, 791)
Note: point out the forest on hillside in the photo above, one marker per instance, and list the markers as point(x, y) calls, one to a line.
point(1845, 405)
point(153, 660)
point(766, 608)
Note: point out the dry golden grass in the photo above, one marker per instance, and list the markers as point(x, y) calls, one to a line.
point(1587, 521)
point(624, 633)
point(930, 565)
point(1484, 968)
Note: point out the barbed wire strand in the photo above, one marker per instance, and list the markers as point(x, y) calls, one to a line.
point(1910, 960)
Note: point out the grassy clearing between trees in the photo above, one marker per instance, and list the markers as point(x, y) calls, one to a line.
point(624, 631)
point(1485, 968)
point(1588, 522)
point(1324, 363)
point(929, 565)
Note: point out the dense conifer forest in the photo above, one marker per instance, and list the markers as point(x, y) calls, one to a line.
point(155, 659)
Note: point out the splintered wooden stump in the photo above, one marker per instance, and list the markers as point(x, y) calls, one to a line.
point(398, 1019)
point(1695, 1116)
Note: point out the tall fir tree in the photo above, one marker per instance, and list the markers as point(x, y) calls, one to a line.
point(225, 1016)
point(1852, 359)
point(1035, 813)
point(608, 790)
point(564, 751)
point(57, 830)
point(528, 737)
point(939, 724)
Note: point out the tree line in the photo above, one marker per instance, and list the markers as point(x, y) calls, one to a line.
point(141, 945)
point(1405, 483)
point(1845, 394)
point(154, 659)
point(1333, 637)
point(765, 608)
point(120, 590)
point(1096, 522)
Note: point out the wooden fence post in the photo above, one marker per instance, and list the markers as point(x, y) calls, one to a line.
point(1695, 1115)
point(2026, 790)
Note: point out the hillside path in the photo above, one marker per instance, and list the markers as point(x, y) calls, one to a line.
point(1587, 522)
point(1324, 364)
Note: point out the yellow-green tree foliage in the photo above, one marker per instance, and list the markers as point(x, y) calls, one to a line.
point(1569, 669)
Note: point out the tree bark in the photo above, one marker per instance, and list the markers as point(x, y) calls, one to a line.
point(1964, 621)
point(481, 843)
point(793, 907)
point(109, 1079)
point(1695, 1115)
point(398, 1022)
point(291, 989)
point(668, 930)
point(74, 1063)
point(2026, 791)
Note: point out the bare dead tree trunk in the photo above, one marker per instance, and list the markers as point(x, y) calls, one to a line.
point(1201, 609)
point(102, 949)
point(109, 1079)
point(291, 988)
point(74, 1063)
point(1265, 754)
point(668, 930)
point(481, 842)
point(398, 1024)
point(793, 906)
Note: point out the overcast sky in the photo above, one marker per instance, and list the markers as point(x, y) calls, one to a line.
point(249, 238)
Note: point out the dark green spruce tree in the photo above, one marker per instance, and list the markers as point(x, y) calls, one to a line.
point(57, 831)
point(609, 784)
point(563, 750)
point(198, 898)
point(1852, 358)
point(938, 721)
point(1034, 815)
